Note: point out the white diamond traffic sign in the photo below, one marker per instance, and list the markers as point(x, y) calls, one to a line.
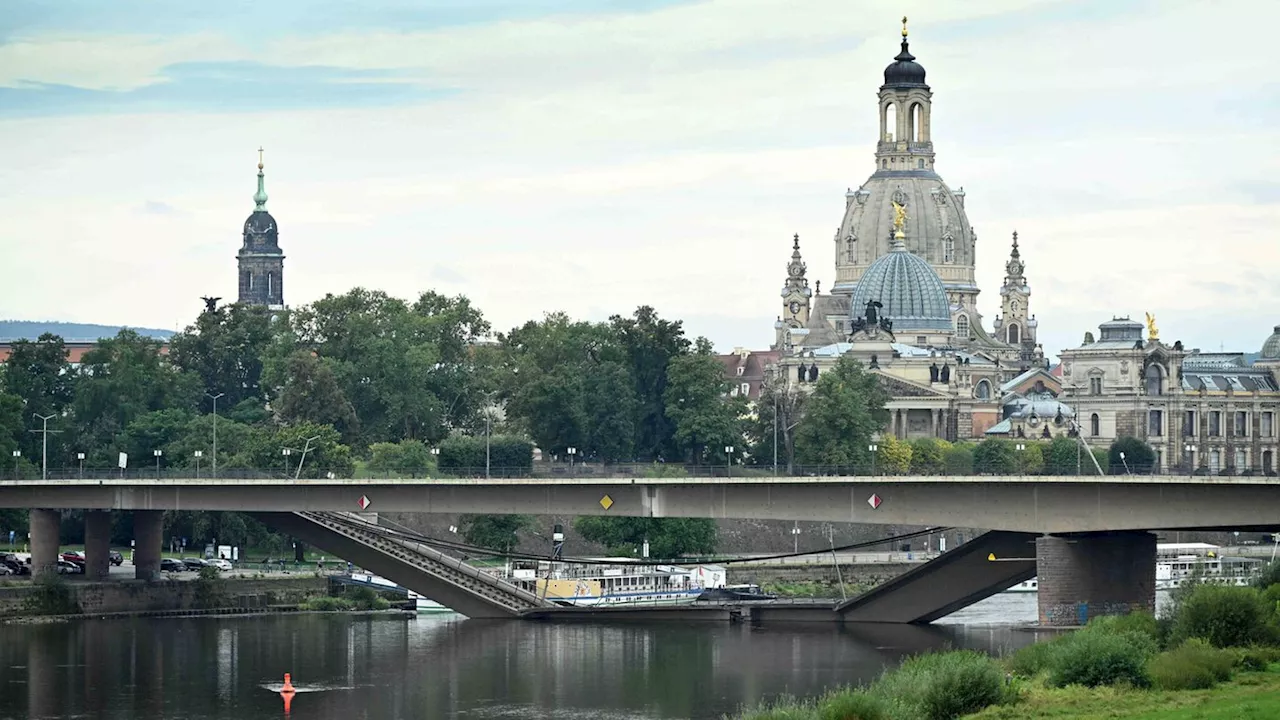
point(364, 502)
point(874, 501)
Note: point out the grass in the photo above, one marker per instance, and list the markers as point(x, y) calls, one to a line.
point(1251, 696)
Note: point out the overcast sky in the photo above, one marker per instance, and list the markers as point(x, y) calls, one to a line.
point(595, 155)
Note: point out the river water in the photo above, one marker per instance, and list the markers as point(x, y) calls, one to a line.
point(360, 668)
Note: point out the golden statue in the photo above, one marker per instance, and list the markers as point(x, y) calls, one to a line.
point(904, 26)
point(1153, 332)
point(899, 216)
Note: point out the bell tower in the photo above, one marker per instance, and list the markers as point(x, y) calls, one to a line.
point(905, 104)
point(261, 262)
point(796, 296)
point(1016, 325)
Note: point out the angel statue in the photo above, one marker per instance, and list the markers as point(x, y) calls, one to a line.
point(899, 216)
point(1153, 332)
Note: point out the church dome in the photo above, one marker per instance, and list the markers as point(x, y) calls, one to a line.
point(909, 289)
point(1271, 348)
point(905, 71)
point(260, 222)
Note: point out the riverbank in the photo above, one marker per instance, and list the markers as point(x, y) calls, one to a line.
point(251, 594)
point(1249, 695)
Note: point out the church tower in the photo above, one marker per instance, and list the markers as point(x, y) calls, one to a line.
point(1016, 325)
point(796, 296)
point(260, 261)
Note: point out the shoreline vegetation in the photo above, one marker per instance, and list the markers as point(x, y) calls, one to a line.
point(1214, 656)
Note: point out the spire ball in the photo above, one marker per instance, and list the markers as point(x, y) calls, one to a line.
point(259, 158)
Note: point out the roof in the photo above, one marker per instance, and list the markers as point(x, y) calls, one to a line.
point(909, 289)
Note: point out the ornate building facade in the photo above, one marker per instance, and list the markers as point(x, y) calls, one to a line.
point(905, 292)
point(260, 260)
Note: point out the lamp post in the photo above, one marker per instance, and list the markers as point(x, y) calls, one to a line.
point(435, 453)
point(728, 463)
point(80, 457)
point(1125, 463)
point(1187, 450)
point(572, 452)
point(305, 449)
point(44, 444)
point(198, 454)
point(157, 453)
point(873, 449)
point(285, 453)
point(215, 431)
point(795, 538)
point(1020, 447)
point(16, 454)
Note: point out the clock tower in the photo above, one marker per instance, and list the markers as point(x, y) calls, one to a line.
point(261, 262)
point(796, 296)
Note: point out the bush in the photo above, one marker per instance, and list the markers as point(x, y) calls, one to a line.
point(958, 459)
point(995, 456)
point(1099, 658)
point(366, 598)
point(1225, 616)
point(1270, 576)
point(1194, 665)
point(1257, 659)
point(1140, 628)
point(941, 686)
point(852, 705)
point(465, 455)
point(210, 588)
point(325, 603)
point(50, 596)
point(1032, 659)
point(1138, 459)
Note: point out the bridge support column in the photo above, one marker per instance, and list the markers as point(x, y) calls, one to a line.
point(147, 531)
point(1082, 577)
point(97, 544)
point(45, 526)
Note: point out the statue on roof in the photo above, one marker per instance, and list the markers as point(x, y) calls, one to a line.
point(872, 313)
point(1153, 332)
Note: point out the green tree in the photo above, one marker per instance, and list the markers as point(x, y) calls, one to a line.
point(39, 375)
point(995, 456)
point(10, 429)
point(893, 457)
point(464, 455)
point(788, 405)
point(325, 452)
point(1064, 456)
point(706, 418)
point(407, 458)
point(497, 532)
point(225, 349)
point(669, 538)
point(650, 343)
point(928, 456)
point(1031, 459)
point(844, 410)
point(959, 459)
point(311, 393)
point(1138, 457)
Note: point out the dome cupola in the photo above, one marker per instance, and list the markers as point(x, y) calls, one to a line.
point(905, 71)
point(1271, 348)
point(909, 291)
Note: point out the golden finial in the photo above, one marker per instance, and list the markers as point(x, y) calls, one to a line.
point(904, 26)
point(259, 157)
point(1153, 332)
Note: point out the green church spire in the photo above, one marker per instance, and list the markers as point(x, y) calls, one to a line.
point(260, 197)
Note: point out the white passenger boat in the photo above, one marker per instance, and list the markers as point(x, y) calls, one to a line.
point(620, 583)
point(1178, 563)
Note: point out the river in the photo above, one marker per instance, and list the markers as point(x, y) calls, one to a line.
point(358, 668)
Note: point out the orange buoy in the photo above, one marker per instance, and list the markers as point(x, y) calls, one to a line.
point(288, 686)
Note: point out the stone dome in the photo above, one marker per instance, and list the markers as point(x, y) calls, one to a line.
point(1271, 348)
point(909, 289)
point(260, 222)
point(905, 71)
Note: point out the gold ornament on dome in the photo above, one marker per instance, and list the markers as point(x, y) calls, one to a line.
point(899, 218)
point(1153, 332)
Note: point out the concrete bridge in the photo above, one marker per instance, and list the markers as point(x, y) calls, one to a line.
point(1086, 537)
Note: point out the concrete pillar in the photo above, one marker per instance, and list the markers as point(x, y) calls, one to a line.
point(97, 544)
point(1082, 577)
point(147, 531)
point(45, 526)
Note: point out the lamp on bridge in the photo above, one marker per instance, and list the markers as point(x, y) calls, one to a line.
point(1190, 449)
point(435, 453)
point(198, 455)
point(728, 463)
point(157, 453)
point(1125, 463)
point(873, 449)
point(1020, 447)
point(285, 453)
point(572, 451)
point(80, 457)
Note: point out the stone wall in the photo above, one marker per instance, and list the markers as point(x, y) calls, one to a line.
point(142, 596)
point(1082, 577)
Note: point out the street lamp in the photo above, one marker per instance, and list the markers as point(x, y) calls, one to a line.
point(795, 538)
point(1189, 449)
point(1125, 463)
point(44, 444)
point(80, 457)
point(215, 431)
point(157, 453)
point(435, 453)
point(728, 463)
point(285, 453)
point(305, 449)
point(873, 449)
point(572, 452)
point(198, 454)
point(1020, 447)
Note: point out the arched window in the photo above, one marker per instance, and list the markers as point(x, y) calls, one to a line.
point(851, 249)
point(917, 124)
point(948, 248)
point(889, 128)
point(1095, 425)
point(983, 390)
point(920, 163)
point(250, 274)
point(271, 283)
point(962, 327)
point(1015, 334)
point(1155, 380)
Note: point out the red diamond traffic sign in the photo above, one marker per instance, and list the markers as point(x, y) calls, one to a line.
point(364, 502)
point(874, 501)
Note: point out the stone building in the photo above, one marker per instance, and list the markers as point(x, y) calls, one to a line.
point(904, 297)
point(260, 261)
point(1209, 413)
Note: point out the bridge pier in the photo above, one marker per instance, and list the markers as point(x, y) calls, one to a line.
point(147, 532)
point(1083, 576)
point(97, 544)
point(45, 526)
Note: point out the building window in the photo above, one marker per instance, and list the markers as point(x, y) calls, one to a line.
point(1159, 461)
point(1215, 423)
point(741, 370)
point(962, 327)
point(1155, 423)
point(983, 391)
point(1267, 468)
point(1095, 425)
point(1241, 428)
point(1215, 461)
point(1095, 386)
point(851, 249)
point(1268, 424)
point(1242, 460)
point(1155, 384)
point(746, 388)
point(1015, 336)
point(922, 340)
point(948, 248)
point(1189, 423)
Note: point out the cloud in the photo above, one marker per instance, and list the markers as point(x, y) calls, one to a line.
point(155, 207)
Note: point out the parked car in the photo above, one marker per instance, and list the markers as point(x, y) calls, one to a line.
point(116, 558)
point(221, 564)
point(4, 570)
point(76, 557)
point(15, 564)
point(69, 568)
point(171, 565)
point(193, 563)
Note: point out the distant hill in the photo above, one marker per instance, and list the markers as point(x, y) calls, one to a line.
point(30, 330)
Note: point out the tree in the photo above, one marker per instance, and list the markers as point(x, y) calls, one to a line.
point(928, 456)
point(325, 452)
point(225, 348)
point(669, 538)
point(1064, 456)
point(995, 456)
point(650, 343)
point(1031, 459)
point(311, 394)
point(843, 412)
point(893, 456)
point(497, 532)
point(465, 455)
point(407, 458)
point(1138, 457)
point(776, 397)
point(39, 375)
point(959, 459)
point(697, 402)
point(10, 428)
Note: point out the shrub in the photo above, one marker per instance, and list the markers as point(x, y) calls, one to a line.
point(995, 456)
point(852, 705)
point(1032, 659)
point(50, 596)
point(1098, 658)
point(1140, 629)
point(1257, 659)
point(325, 603)
point(210, 588)
point(1270, 576)
point(941, 686)
point(1225, 616)
point(1194, 665)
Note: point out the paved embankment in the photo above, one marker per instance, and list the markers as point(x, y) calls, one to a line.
point(126, 596)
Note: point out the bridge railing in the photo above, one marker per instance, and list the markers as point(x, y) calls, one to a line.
point(559, 470)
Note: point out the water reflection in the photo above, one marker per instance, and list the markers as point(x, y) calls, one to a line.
point(352, 668)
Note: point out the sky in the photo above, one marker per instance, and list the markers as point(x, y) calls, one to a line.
point(592, 156)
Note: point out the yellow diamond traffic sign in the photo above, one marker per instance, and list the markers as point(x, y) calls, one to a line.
point(606, 502)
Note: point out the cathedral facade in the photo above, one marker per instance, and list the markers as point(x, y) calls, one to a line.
point(904, 300)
